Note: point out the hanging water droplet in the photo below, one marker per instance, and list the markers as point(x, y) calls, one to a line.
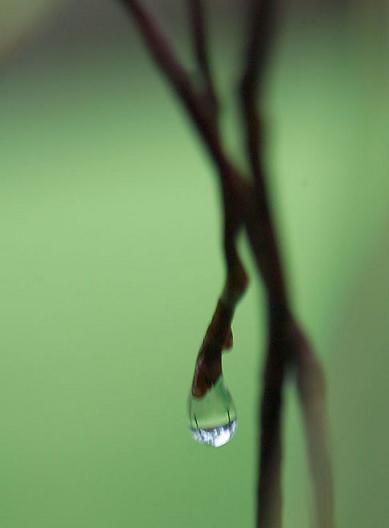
point(213, 417)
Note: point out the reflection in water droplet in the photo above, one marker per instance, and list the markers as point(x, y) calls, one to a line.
point(213, 417)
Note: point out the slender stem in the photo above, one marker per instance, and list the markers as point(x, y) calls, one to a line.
point(231, 181)
point(262, 236)
point(269, 495)
point(312, 395)
point(219, 334)
point(200, 46)
point(287, 343)
point(179, 79)
point(260, 225)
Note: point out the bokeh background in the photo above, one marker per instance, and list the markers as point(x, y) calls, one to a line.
point(110, 265)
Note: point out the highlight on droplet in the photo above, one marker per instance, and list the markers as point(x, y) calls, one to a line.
point(213, 418)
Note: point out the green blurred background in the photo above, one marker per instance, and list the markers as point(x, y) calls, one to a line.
point(111, 265)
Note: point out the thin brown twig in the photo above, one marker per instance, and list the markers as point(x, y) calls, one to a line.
point(179, 79)
point(260, 225)
point(269, 495)
point(219, 333)
point(312, 395)
point(287, 343)
point(201, 50)
point(231, 183)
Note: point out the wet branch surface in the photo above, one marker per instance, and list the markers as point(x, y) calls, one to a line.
point(246, 207)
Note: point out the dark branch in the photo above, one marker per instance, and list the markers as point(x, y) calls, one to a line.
point(265, 249)
point(219, 334)
point(312, 394)
point(231, 182)
point(179, 79)
point(269, 497)
point(200, 46)
point(261, 29)
point(287, 343)
point(260, 227)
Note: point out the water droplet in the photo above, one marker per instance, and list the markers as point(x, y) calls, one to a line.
point(213, 417)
